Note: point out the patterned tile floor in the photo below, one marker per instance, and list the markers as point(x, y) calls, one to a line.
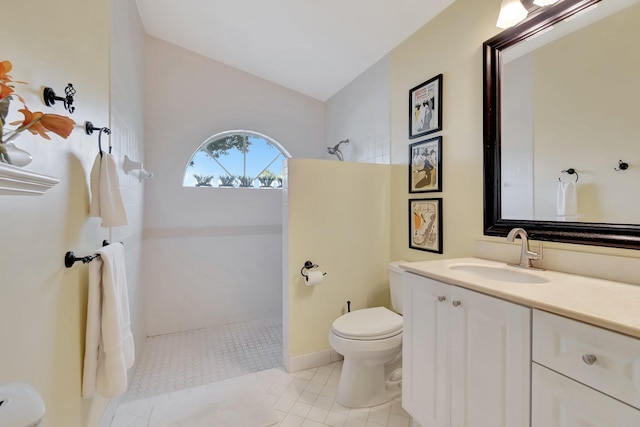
point(303, 399)
point(187, 359)
point(186, 369)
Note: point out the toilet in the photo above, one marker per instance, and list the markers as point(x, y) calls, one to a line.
point(371, 342)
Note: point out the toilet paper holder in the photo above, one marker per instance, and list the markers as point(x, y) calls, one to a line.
point(308, 265)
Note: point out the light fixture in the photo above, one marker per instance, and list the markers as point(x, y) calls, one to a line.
point(511, 12)
point(543, 3)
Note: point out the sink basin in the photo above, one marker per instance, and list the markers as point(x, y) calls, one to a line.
point(502, 274)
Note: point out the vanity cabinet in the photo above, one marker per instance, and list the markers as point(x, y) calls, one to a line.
point(466, 357)
point(583, 375)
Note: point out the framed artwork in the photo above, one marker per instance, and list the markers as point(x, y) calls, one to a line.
point(425, 108)
point(425, 225)
point(425, 165)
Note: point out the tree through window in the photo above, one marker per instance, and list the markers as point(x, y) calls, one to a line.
point(236, 159)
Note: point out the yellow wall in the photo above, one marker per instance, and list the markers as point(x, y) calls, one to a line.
point(42, 303)
point(595, 92)
point(451, 44)
point(338, 216)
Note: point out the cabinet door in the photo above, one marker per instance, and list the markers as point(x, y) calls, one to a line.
point(425, 370)
point(558, 401)
point(490, 361)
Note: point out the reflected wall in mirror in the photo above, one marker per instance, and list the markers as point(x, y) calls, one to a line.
point(562, 91)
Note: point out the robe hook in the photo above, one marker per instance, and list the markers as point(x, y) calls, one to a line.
point(50, 97)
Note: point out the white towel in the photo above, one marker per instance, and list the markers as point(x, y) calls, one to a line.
point(106, 198)
point(109, 347)
point(567, 200)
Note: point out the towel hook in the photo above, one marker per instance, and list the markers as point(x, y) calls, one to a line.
point(570, 171)
point(622, 166)
point(89, 128)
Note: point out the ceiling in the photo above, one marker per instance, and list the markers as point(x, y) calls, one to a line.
point(315, 47)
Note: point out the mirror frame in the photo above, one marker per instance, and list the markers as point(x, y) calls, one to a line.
point(599, 234)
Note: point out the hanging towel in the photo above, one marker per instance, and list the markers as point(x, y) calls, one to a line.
point(109, 347)
point(567, 201)
point(106, 198)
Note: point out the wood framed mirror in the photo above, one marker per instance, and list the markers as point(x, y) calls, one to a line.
point(622, 232)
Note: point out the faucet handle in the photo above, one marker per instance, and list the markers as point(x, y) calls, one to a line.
point(536, 256)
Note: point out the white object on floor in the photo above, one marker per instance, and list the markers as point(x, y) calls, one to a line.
point(371, 342)
point(106, 198)
point(109, 347)
point(20, 405)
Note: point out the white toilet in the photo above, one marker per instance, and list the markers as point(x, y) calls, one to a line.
point(371, 342)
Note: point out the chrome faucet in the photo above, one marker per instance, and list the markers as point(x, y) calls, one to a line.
point(526, 256)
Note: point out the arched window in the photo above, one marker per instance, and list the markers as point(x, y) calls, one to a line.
point(237, 158)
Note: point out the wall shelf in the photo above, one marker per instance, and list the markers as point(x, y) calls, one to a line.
point(18, 181)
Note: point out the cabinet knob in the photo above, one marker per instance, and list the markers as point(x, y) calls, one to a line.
point(589, 359)
point(442, 298)
point(456, 303)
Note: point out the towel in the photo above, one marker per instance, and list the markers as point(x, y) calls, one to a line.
point(567, 201)
point(106, 198)
point(109, 346)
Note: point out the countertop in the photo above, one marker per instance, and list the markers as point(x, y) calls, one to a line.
point(603, 303)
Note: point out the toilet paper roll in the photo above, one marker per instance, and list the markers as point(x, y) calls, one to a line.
point(314, 277)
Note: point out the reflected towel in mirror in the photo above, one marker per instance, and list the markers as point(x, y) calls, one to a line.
point(567, 200)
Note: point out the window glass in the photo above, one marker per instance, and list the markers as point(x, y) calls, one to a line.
point(236, 159)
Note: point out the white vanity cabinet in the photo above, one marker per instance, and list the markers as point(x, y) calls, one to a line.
point(466, 357)
point(583, 375)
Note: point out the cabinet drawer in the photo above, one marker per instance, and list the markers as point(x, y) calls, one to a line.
point(557, 401)
point(604, 360)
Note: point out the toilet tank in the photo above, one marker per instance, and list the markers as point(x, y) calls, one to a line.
point(395, 285)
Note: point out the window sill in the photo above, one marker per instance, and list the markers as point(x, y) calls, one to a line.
point(18, 181)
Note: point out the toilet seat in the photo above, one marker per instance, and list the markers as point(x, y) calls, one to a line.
point(368, 324)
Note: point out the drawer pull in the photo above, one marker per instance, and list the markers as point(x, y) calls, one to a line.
point(589, 359)
point(456, 303)
point(441, 299)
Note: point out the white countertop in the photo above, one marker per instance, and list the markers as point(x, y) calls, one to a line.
point(611, 305)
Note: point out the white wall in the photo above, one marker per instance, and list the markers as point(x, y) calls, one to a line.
point(213, 255)
point(360, 112)
point(43, 304)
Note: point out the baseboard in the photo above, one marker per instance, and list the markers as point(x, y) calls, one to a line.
point(312, 360)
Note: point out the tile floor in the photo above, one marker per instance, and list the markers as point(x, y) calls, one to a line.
point(303, 399)
point(187, 359)
point(184, 369)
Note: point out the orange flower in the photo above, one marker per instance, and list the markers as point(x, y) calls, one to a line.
point(60, 125)
point(38, 123)
point(5, 90)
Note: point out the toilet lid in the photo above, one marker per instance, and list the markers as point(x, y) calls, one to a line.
point(368, 323)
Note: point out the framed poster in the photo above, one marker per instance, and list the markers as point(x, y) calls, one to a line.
point(425, 225)
point(425, 108)
point(425, 165)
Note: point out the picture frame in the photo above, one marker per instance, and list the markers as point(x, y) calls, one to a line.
point(425, 225)
point(425, 108)
point(425, 165)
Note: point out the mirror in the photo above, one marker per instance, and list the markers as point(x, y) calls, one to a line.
point(532, 133)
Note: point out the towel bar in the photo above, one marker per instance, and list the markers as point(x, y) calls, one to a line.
point(70, 258)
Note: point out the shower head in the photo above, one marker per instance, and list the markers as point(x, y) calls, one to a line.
point(336, 149)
